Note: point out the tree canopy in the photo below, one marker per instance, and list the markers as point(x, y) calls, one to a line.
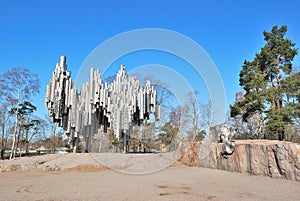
point(271, 90)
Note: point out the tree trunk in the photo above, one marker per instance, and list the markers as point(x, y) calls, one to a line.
point(281, 135)
point(279, 101)
point(19, 140)
point(3, 136)
point(53, 142)
point(26, 141)
point(262, 126)
point(3, 145)
point(12, 153)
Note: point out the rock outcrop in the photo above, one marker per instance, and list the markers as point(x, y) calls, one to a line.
point(257, 157)
point(52, 162)
point(124, 163)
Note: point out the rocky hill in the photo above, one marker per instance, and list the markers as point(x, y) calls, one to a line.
point(276, 159)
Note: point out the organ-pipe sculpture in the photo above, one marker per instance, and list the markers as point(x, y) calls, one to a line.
point(118, 106)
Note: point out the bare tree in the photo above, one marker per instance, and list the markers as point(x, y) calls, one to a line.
point(170, 131)
point(5, 125)
point(208, 117)
point(52, 133)
point(193, 116)
point(147, 134)
point(31, 129)
point(17, 86)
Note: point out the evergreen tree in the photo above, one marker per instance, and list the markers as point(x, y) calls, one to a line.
point(278, 54)
point(291, 87)
point(268, 84)
point(252, 81)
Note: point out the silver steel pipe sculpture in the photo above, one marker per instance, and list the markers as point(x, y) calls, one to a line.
point(117, 106)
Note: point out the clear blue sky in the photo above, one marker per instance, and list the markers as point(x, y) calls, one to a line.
point(34, 34)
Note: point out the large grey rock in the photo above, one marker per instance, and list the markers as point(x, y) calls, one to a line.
point(257, 157)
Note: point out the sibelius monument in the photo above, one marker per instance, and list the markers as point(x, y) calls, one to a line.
point(99, 106)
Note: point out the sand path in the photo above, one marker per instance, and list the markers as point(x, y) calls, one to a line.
point(173, 183)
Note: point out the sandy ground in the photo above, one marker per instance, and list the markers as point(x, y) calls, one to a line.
point(177, 182)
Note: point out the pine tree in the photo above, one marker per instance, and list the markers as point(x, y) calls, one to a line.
point(268, 84)
point(278, 54)
point(291, 87)
point(252, 81)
